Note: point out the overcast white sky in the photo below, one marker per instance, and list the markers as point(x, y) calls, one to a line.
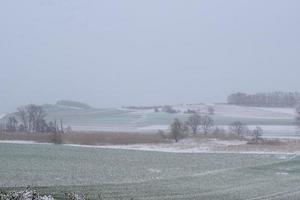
point(135, 52)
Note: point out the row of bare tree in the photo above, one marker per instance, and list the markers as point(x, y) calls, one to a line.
point(194, 124)
point(273, 99)
point(204, 124)
point(242, 131)
point(31, 119)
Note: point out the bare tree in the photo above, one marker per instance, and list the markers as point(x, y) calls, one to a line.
point(12, 124)
point(257, 134)
point(36, 114)
point(61, 126)
point(57, 131)
point(21, 128)
point(177, 129)
point(194, 122)
point(219, 131)
point(2, 126)
point(32, 117)
point(41, 126)
point(52, 127)
point(207, 123)
point(238, 128)
point(23, 115)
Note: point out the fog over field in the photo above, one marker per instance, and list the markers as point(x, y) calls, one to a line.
point(152, 100)
point(114, 53)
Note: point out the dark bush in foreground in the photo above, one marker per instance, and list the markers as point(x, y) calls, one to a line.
point(30, 194)
point(27, 194)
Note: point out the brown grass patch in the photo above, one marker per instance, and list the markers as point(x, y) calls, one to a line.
point(104, 138)
point(89, 138)
point(275, 142)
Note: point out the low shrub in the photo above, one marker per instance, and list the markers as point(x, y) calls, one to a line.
point(27, 194)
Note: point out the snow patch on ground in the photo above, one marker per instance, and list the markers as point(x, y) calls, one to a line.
point(188, 146)
point(154, 170)
point(184, 146)
point(230, 142)
point(254, 112)
point(239, 111)
point(282, 173)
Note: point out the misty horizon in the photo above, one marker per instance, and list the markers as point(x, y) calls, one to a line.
point(151, 105)
point(109, 54)
point(149, 100)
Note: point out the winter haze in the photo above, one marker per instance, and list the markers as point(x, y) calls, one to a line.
point(113, 53)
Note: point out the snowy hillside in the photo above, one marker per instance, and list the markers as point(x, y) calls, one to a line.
point(277, 122)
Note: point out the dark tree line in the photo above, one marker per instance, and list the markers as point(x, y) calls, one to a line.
point(31, 119)
point(273, 99)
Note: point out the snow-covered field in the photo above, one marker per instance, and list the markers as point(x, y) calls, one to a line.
point(241, 111)
point(126, 174)
point(276, 122)
point(184, 146)
point(254, 112)
point(190, 169)
point(190, 145)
